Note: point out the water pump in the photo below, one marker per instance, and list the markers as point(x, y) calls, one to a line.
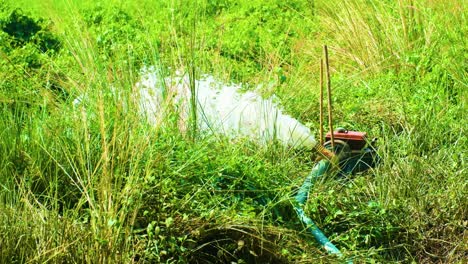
point(356, 153)
point(346, 152)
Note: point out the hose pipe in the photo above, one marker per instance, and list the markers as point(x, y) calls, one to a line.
point(320, 169)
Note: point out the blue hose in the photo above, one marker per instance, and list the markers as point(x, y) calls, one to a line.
point(320, 169)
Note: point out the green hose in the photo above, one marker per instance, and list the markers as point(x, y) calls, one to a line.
point(320, 169)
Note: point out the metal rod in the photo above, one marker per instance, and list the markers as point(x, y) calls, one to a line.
point(321, 101)
point(330, 118)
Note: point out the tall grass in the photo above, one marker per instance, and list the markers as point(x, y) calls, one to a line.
point(395, 35)
point(93, 183)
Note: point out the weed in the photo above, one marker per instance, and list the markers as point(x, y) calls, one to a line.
point(94, 183)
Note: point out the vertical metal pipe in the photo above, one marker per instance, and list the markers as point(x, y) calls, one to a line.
point(330, 119)
point(321, 101)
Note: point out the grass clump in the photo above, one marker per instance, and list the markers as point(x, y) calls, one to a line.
point(91, 182)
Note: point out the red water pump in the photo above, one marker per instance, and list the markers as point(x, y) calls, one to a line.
point(356, 152)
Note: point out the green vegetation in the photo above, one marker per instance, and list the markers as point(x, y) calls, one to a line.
point(94, 184)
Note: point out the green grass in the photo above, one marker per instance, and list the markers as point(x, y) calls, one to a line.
point(94, 184)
